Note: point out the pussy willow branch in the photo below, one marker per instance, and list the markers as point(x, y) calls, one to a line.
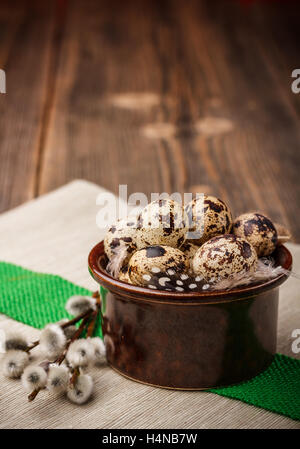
point(77, 334)
point(33, 345)
point(75, 375)
point(93, 322)
point(88, 323)
point(62, 357)
point(68, 323)
point(76, 371)
point(89, 333)
point(33, 394)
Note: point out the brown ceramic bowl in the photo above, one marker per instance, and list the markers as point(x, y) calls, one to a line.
point(188, 340)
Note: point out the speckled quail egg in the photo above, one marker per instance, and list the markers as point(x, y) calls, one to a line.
point(124, 275)
point(162, 222)
point(224, 256)
point(156, 259)
point(258, 230)
point(122, 233)
point(174, 283)
point(208, 217)
point(189, 249)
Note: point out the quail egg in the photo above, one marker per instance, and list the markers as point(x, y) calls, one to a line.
point(208, 217)
point(258, 230)
point(189, 249)
point(156, 259)
point(162, 222)
point(168, 281)
point(224, 256)
point(122, 233)
point(124, 275)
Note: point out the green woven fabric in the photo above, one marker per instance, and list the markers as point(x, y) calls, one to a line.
point(34, 298)
point(37, 299)
point(276, 389)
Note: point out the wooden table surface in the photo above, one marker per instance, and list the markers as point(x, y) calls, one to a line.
point(162, 96)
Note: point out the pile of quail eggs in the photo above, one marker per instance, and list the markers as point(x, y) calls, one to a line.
point(175, 248)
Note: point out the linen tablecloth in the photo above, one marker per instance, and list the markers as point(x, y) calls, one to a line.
point(54, 234)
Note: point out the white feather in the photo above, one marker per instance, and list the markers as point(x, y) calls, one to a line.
point(116, 262)
point(265, 271)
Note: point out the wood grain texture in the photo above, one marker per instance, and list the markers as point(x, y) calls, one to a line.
point(170, 96)
point(25, 41)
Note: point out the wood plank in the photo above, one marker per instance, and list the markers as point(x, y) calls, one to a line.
point(257, 90)
point(179, 96)
point(105, 95)
point(25, 43)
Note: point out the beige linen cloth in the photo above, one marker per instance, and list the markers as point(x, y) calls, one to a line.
point(54, 234)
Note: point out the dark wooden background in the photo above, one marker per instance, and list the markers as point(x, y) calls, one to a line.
point(163, 96)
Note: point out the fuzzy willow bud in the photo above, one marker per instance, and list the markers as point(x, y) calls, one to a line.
point(34, 378)
point(52, 340)
point(98, 348)
point(82, 390)
point(80, 353)
point(80, 304)
point(58, 379)
point(14, 363)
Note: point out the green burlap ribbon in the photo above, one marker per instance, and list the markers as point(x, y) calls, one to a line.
point(37, 299)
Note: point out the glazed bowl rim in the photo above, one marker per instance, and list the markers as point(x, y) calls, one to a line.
point(146, 294)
